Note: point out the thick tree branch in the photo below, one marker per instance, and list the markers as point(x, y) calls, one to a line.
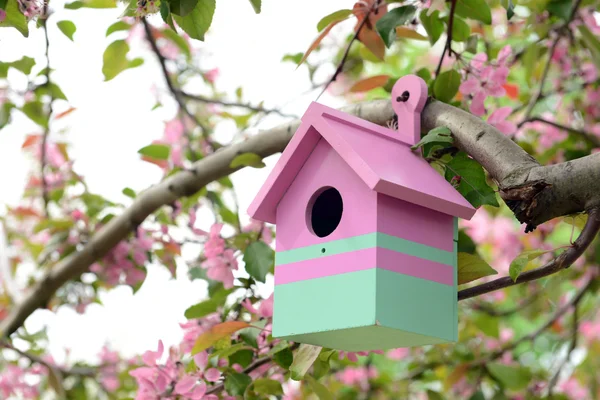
point(570, 187)
point(564, 260)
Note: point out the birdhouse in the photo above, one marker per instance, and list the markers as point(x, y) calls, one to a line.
point(366, 246)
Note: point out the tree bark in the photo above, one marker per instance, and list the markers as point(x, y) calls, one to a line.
point(536, 193)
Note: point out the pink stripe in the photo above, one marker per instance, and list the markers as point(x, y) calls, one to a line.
point(419, 268)
point(361, 260)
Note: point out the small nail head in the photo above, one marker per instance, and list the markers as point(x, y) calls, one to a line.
point(404, 97)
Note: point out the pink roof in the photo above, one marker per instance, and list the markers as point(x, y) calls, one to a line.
point(381, 157)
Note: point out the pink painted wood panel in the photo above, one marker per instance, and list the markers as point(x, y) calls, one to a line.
point(323, 168)
point(409, 221)
point(374, 257)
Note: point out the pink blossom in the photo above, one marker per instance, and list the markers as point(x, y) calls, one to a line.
point(398, 354)
point(589, 72)
point(352, 356)
point(2, 18)
point(358, 376)
point(215, 244)
point(194, 328)
point(265, 309)
point(590, 330)
point(257, 226)
point(212, 75)
point(548, 134)
point(486, 80)
point(573, 389)
point(219, 268)
point(589, 19)
point(212, 375)
point(31, 8)
point(498, 119)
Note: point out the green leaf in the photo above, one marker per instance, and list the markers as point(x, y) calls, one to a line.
point(115, 59)
point(320, 368)
point(477, 396)
point(52, 90)
point(197, 22)
point(471, 267)
point(474, 9)
point(259, 259)
point(471, 46)
point(165, 13)
point(510, 8)
point(75, 5)
point(465, 243)
point(182, 7)
point(399, 16)
point(431, 395)
point(473, 184)
point(247, 160)
point(268, 387)
point(256, 5)
point(225, 353)
point(560, 8)
point(250, 335)
point(446, 85)
point(24, 65)
point(5, 113)
point(338, 15)
point(14, 18)
point(156, 151)
point(515, 378)
point(2, 4)
point(303, 360)
point(236, 384)
point(201, 309)
point(284, 358)
point(530, 60)
point(67, 27)
point(129, 192)
point(460, 29)
point(518, 264)
point(439, 134)
point(433, 24)
point(319, 389)
point(591, 42)
point(118, 26)
point(489, 325)
point(35, 111)
point(242, 357)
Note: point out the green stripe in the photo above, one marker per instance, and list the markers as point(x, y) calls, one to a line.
point(375, 239)
point(455, 229)
point(334, 311)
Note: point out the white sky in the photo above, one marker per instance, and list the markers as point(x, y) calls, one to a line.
point(113, 120)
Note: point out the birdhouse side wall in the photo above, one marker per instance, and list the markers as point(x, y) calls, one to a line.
point(324, 168)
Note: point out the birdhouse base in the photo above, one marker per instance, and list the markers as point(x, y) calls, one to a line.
point(373, 309)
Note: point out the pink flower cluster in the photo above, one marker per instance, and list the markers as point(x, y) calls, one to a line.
point(486, 80)
point(2, 18)
point(146, 7)
point(166, 381)
point(124, 263)
point(108, 370)
point(31, 8)
point(573, 389)
point(20, 382)
point(195, 327)
point(220, 262)
point(358, 376)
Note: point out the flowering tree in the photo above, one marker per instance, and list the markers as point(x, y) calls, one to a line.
point(513, 123)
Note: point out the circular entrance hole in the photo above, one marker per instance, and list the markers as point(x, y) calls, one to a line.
point(325, 211)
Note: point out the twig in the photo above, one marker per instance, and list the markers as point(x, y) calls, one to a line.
point(258, 363)
point(572, 346)
point(595, 140)
point(175, 91)
point(489, 310)
point(340, 66)
point(250, 107)
point(533, 335)
point(448, 45)
point(564, 260)
point(538, 93)
point(75, 371)
point(45, 196)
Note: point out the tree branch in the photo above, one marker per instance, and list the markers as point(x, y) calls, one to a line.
point(564, 260)
point(571, 187)
point(448, 45)
point(78, 371)
point(250, 107)
point(175, 91)
point(46, 133)
point(539, 91)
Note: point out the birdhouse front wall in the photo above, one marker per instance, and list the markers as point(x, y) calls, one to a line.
point(381, 275)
